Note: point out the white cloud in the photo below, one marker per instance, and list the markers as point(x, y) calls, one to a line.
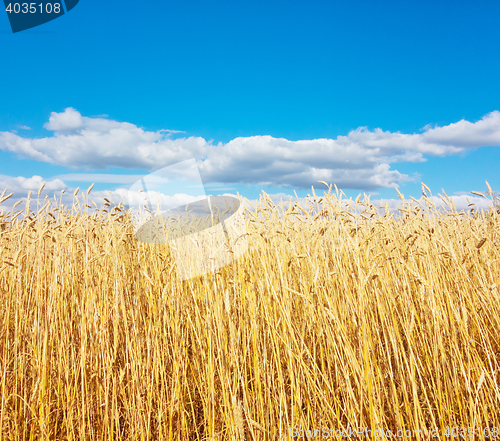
point(106, 178)
point(65, 121)
point(24, 127)
point(98, 143)
point(360, 160)
point(171, 131)
point(23, 185)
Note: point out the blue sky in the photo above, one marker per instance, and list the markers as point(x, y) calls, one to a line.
point(266, 95)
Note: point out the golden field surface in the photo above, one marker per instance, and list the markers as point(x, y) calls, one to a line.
point(330, 322)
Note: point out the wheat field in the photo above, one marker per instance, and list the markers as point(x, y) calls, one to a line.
point(331, 321)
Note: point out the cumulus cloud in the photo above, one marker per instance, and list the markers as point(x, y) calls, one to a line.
point(66, 121)
point(21, 184)
point(106, 178)
point(98, 143)
point(360, 160)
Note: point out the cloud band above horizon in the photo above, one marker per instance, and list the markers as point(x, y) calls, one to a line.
point(360, 160)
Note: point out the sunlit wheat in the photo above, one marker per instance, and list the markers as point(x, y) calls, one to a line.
point(335, 318)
